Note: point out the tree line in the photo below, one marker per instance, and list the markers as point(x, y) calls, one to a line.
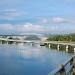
point(65, 37)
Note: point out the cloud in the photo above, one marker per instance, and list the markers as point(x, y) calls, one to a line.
point(58, 20)
point(10, 14)
point(27, 27)
point(6, 27)
point(35, 28)
point(8, 10)
point(44, 20)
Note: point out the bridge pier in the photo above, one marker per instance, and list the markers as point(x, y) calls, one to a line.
point(0, 42)
point(61, 46)
point(49, 45)
point(6, 42)
point(74, 49)
point(66, 48)
point(58, 46)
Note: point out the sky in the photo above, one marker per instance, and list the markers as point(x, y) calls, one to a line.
point(37, 16)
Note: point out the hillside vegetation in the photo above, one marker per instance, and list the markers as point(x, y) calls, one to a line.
point(66, 37)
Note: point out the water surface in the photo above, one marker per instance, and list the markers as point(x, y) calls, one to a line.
point(23, 59)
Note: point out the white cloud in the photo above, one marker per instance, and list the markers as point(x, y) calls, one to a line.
point(27, 27)
point(10, 14)
point(31, 28)
point(44, 21)
point(23, 28)
point(6, 27)
point(58, 20)
point(8, 10)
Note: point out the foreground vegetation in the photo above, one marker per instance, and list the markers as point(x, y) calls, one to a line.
point(66, 37)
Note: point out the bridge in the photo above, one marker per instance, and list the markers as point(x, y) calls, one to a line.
point(21, 41)
point(49, 43)
point(21, 38)
point(59, 44)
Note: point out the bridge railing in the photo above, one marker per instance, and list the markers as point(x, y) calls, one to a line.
point(66, 68)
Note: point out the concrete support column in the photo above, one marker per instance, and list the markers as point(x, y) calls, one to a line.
point(49, 45)
point(1, 42)
point(74, 49)
point(58, 46)
point(7, 42)
point(66, 48)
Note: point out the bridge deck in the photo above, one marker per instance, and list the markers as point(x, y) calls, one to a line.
point(48, 42)
point(5, 39)
point(61, 43)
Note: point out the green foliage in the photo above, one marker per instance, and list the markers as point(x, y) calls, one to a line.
point(67, 37)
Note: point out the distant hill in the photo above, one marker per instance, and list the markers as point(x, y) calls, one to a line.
point(32, 37)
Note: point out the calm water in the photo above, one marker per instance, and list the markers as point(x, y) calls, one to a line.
point(29, 60)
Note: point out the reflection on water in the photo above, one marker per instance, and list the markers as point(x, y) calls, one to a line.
point(25, 59)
